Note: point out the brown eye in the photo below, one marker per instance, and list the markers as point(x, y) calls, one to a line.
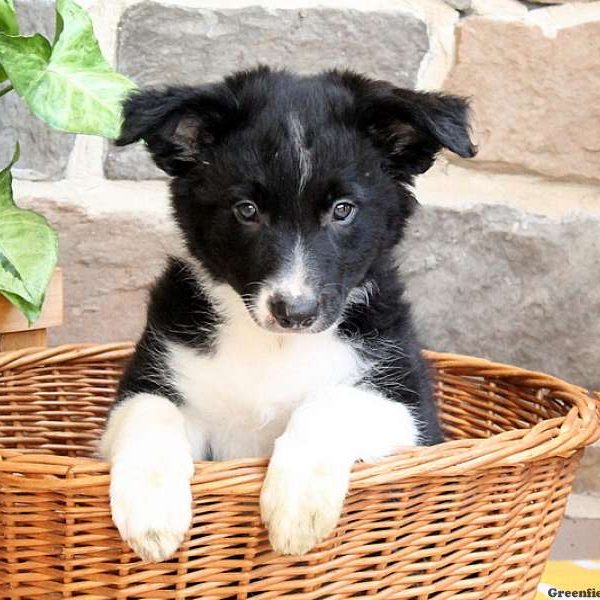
point(246, 212)
point(343, 212)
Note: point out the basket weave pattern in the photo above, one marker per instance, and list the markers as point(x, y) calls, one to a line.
point(473, 518)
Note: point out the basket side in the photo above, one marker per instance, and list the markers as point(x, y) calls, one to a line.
point(482, 534)
point(55, 400)
point(470, 518)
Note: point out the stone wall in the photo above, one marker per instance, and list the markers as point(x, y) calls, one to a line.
point(503, 259)
point(505, 253)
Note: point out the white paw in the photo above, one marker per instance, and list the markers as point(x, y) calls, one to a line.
point(302, 499)
point(152, 507)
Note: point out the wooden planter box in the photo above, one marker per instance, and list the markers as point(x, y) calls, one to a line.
point(15, 333)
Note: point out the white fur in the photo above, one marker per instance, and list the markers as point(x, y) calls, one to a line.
point(151, 467)
point(297, 136)
point(362, 294)
point(246, 389)
point(308, 474)
point(255, 394)
point(294, 280)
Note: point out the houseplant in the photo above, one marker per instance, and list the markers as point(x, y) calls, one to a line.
point(68, 84)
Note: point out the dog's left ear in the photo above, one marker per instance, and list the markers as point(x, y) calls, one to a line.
point(178, 123)
point(410, 126)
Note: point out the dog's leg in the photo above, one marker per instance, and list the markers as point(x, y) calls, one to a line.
point(308, 475)
point(151, 467)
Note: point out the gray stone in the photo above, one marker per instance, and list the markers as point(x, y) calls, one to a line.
point(165, 44)
point(108, 267)
point(461, 5)
point(577, 539)
point(508, 286)
point(44, 152)
point(131, 162)
point(588, 475)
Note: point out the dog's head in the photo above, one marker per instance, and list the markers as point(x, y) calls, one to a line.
point(290, 188)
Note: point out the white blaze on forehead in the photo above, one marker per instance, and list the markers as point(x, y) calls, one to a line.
point(297, 136)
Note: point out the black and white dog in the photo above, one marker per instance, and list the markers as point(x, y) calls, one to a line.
point(282, 332)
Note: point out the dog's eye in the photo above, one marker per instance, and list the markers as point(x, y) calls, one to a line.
point(246, 212)
point(343, 212)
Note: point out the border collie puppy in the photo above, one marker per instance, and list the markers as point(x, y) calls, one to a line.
point(282, 332)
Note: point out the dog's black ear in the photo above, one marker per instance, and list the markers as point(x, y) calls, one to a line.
point(410, 126)
point(178, 124)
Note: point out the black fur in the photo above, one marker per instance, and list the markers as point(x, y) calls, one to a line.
point(177, 311)
point(230, 141)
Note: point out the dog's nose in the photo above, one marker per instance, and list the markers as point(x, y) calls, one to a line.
point(294, 312)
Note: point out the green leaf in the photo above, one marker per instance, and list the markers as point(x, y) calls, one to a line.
point(8, 18)
point(24, 57)
point(6, 195)
point(31, 312)
point(28, 254)
point(8, 25)
point(28, 251)
point(70, 86)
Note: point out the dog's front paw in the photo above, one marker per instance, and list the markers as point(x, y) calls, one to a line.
point(152, 508)
point(301, 499)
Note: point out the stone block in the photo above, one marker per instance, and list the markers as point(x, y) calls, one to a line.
point(508, 286)
point(588, 476)
point(170, 44)
point(108, 268)
point(44, 151)
point(535, 97)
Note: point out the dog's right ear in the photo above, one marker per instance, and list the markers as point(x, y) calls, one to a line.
point(178, 124)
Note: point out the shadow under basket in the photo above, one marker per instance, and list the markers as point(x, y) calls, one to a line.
point(471, 518)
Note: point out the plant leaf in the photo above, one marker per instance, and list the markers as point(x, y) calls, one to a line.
point(31, 312)
point(28, 254)
point(24, 58)
point(8, 18)
point(70, 86)
point(28, 250)
point(6, 195)
point(8, 25)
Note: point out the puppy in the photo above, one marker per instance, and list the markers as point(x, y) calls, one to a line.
point(282, 332)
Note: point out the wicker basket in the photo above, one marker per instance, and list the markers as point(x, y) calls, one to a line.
point(472, 518)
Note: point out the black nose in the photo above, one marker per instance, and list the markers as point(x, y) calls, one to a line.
point(294, 312)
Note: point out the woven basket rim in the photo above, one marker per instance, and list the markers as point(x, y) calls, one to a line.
point(557, 437)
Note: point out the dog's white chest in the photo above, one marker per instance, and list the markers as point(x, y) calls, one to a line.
point(242, 394)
